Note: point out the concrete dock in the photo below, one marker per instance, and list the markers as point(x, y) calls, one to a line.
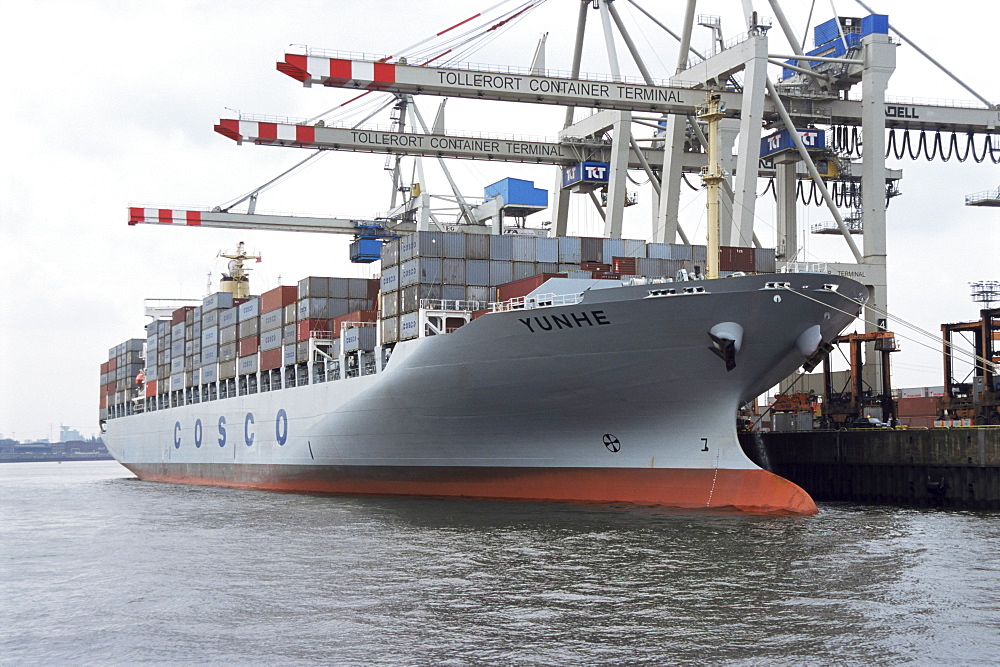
point(943, 467)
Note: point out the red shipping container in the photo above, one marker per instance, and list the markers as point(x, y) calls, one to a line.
point(112, 365)
point(104, 400)
point(249, 345)
point(180, 314)
point(279, 297)
point(595, 266)
point(917, 407)
point(374, 285)
point(356, 316)
point(270, 359)
point(305, 327)
point(624, 265)
point(151, 389)
point(732, 258)
point(520, 288)
point(104, 367)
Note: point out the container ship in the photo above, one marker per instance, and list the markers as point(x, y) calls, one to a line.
point(485, 366)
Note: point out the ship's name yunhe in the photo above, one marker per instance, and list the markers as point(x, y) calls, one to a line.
point(594, 318)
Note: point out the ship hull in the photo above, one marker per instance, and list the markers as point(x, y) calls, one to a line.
point(617, 398)
point(753, 491)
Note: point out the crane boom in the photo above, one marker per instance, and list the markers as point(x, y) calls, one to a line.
point(285, 223)
point(500, 149)
point(512, 85)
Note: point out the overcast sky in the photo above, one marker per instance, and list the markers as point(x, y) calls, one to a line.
point(113, 102)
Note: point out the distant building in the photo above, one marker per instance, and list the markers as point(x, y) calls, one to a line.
point(66, 434)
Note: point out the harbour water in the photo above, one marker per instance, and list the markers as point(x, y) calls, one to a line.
point(97, 567)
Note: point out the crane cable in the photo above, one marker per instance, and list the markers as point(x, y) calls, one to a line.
point(976, 359)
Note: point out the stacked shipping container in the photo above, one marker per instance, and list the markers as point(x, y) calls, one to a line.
point(118, 376)
point(470, 267)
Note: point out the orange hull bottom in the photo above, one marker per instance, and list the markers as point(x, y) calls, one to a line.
point(754, 491)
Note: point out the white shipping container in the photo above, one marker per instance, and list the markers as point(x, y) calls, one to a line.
point(176, 381)
point(569, 250)
point(409, 326)
point(210, 319)
point(209, 373)
point(227, 351)
point(547, 250)
point(274, 319)
point(248, 328)
point(523, 248)
point(390, 279)
point(389, 304)
point(613, 248)
point(390, 253)
point(314, 286)
point(209, 355)
point(389, 328)
point(209, 336)
point(247, 364)
point(634, 248)
point(425, 270)
point(250, 309)
point(219, 300)
point(288, 354)
point(227, 334)
point(229, 317)
point(270, 340)
point(359, 338)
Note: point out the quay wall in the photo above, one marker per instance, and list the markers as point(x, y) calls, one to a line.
point(943, 467)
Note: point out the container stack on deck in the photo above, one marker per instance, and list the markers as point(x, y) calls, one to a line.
point(454, 267)
point(118, 376)
point(201, 352)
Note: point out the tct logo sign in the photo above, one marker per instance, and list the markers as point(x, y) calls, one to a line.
point(588, 172)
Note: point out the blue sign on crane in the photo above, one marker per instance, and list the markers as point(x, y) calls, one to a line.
point(781, 142)
point(585, 172)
